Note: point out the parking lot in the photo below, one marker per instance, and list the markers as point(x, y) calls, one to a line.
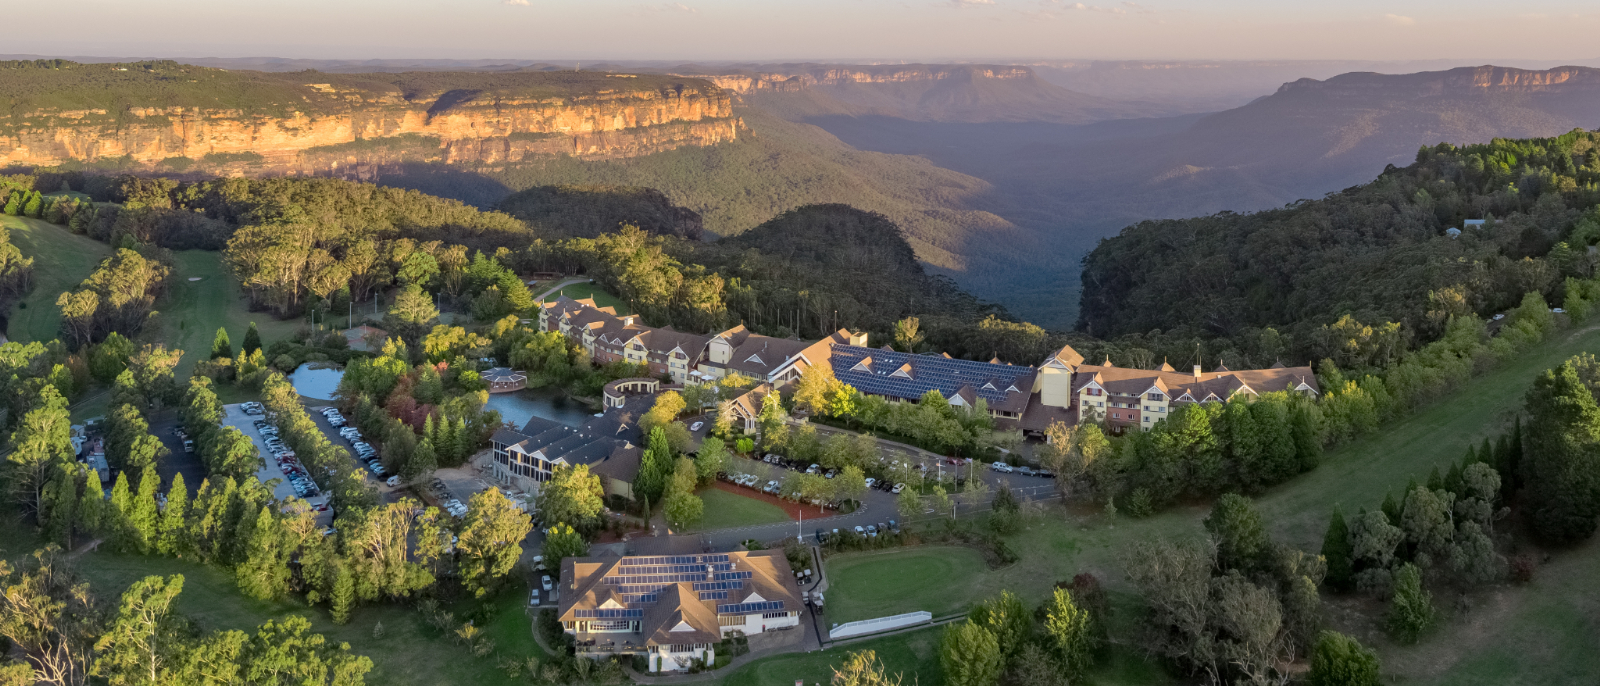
point(272, 467)
point(386, 492)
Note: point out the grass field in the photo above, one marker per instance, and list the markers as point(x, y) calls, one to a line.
point(1518, 632)
point(941, 580)
point(914, 656)
point(579, 291)
point(726, 510)
point(61, 260)
point(194, 310)
point(410, 651)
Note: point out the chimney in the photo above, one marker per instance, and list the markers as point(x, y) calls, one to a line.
point(858, 338)
point(1197, 372)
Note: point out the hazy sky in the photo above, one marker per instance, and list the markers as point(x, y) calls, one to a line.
point(816, 29)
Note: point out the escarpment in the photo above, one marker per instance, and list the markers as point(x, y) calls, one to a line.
point(178, 117)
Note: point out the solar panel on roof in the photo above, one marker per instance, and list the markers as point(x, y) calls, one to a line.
point(713, 595)
point(747, 608)
point(718, 585)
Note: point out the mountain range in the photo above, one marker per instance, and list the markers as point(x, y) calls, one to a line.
point(1004, 176)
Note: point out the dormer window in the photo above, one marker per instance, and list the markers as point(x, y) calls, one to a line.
point(1157, 397)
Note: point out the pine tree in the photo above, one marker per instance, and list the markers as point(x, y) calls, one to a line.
point(14, 203)
point(144, 525)
point(92, 504)
point(1339, 553)
point(430, 431)
point(62, 503)
point(460, 440)
point(1391, 507)
point(342, 598)
point(264, 573)
point(174, 536)
point(221, 347)
point(252, 340)
point(34, 205)
point(116, 516)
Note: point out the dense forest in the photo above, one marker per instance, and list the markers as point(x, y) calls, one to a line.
point(1382, 256)
point(588, 211)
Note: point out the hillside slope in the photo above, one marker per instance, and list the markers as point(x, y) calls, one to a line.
point(779, 166)
point(1072, 185)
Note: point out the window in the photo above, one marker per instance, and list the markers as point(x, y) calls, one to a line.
point(1157, 396)
point(1116, 415)
point(1147, 419)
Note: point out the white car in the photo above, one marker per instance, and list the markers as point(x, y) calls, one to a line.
point(1001, 467)
point(533, 597)
point(545, 582)
point(393, 481)
point(696, 426)
point(898, 488)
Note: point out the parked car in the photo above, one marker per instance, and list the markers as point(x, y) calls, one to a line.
point(533, 597)
point(1025, 470)
point(813, 469)
point(393, 481)
point(544, 581)
point(1001, 467)
point(871, 481)
point(872, 530)
point(860, 531)
point(898, 488)
point(696, 426)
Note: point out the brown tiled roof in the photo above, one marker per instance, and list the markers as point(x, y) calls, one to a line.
point(1223, 383)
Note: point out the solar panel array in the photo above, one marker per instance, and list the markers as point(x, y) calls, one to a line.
point(747, 608)
point(608, 614)
point(640, 598)
point(930, 372)
point(661, 560)
point(713, 595)
point(656, 579)
point(717, 586)
point(730, 576)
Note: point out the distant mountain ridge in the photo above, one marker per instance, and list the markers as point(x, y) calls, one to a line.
point(915, 92)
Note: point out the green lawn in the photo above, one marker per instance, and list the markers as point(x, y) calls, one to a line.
point(602, 298)
point(726, 510)
point(61, 260)
point(194, 310)
point(941, 580)
point(914, 655)
point(410, 651)
point(1500, 637)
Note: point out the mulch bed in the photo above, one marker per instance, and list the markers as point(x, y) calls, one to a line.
point(789, 507)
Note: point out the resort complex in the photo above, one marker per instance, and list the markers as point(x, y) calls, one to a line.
point(1062, 388)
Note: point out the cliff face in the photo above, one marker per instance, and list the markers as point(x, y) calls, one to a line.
point(1459, 81)
point(794, 80)
point(349, 121)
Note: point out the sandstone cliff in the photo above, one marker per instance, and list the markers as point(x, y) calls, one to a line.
point(307, 122)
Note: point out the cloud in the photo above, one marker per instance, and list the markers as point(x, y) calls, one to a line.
point(1398, 20)
point(970, 3)
point(523, 3)
point(670, 7)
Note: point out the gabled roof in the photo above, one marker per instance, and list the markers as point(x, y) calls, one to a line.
point(660, 591)
point(1222, 385)
point(908, 376)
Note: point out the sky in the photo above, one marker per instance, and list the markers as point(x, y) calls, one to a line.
point(843, 30)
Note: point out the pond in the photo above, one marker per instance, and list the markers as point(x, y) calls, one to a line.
point(549, 403)
point(316, 380)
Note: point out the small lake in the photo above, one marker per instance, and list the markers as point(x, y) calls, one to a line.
point(316, 380)
point(549, 403)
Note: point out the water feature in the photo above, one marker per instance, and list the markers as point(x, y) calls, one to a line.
point(316, 380)
point(549, 403)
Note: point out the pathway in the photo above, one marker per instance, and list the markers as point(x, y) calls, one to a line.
point(559, 286)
